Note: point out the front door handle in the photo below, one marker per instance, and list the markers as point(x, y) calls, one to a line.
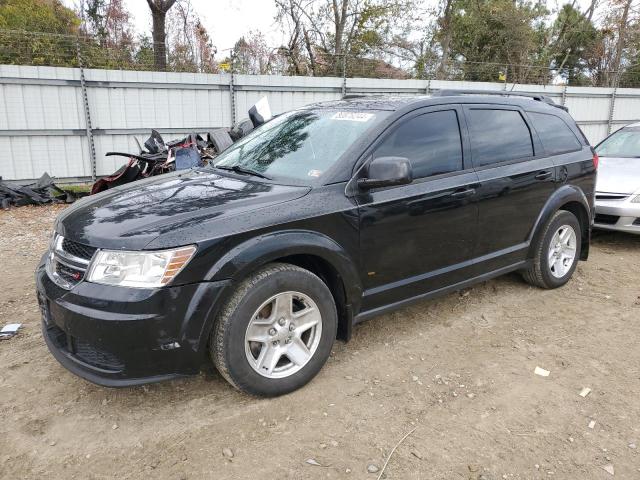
point(467, 192)
point(544, 175)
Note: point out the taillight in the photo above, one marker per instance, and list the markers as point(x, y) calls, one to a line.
point(595, 160)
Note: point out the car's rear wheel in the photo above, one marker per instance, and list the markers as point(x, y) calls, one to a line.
point(556, 253)
point(276, 331)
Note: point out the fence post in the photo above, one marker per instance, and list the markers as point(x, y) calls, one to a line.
point(87, 112)
point(612, 103)
point(564, 92)
point(232, 91)
point(344, 74)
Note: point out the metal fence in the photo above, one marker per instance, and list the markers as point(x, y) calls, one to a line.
point(63, 120)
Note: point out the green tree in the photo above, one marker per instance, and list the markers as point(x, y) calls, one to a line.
point(25, 21)
point(574, 41)
point(489, 36)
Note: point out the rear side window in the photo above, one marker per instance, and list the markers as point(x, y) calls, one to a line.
point(498, 136)
point(555, 135)
point(431, 141)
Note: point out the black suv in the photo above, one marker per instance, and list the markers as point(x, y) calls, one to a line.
point(317, 220)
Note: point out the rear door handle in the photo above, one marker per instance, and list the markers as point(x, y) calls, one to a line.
point(544, 175)
point(467, 192)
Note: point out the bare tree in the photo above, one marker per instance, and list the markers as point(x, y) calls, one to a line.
point(159, 9)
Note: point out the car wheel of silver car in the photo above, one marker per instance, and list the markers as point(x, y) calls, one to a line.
point(275, 332)
point(556, 252)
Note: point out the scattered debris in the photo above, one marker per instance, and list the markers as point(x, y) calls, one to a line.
point(542, 372)
point(416, 454)
point(227, 452)
point(371, 468)
point(191, 151)
point(632, 446)
point(584, 392)
point(312, 461)
point(608, 469)
point(592, 424)
point(393, 450)
point(9, 330)
point(39, 193)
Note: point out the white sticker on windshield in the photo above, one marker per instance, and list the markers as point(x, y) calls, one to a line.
point(353, 116)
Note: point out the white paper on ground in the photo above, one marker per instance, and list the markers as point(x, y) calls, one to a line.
point(541, 371)
point(584, 392)
point(11, 328)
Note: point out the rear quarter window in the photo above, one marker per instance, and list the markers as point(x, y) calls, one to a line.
point(554, 133)
point(498, 136)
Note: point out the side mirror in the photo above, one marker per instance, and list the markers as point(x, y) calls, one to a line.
point(387, 172)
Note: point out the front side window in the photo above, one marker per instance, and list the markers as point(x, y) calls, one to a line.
point(300, 145)
point(431, 142)
point(498, 136)
point(555, 135)
point(624, 143)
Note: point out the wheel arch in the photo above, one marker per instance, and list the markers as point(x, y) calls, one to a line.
point(571, 199)
point(313, 251)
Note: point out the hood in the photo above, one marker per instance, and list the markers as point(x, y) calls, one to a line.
point(618, 175)
point(133, 215)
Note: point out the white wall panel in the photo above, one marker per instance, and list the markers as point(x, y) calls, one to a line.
point(42, 126)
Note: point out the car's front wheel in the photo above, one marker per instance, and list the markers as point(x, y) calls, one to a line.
point(556, 253)
point(275, 332)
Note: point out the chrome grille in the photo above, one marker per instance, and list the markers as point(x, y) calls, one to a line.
point(68, 261)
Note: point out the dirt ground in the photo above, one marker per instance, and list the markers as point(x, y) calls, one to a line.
point(457, 372)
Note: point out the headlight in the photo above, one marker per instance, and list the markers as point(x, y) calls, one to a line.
point(138, 269)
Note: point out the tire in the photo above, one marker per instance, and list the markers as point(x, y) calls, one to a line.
point(545, 274)
point(259, 301)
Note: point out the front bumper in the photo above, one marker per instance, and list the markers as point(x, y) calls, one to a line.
point(618, 215)
point(118, 337)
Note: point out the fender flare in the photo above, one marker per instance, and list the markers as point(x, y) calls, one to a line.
point(562, 196)
point(251, 254)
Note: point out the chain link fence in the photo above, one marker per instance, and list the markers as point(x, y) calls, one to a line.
point(44, 49)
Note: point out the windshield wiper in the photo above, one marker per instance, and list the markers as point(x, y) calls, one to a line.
point(242, 170)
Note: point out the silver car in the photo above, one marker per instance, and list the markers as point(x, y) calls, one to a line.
point(618, 184)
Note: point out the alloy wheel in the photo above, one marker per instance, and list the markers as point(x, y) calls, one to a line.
point(562, 251)
point(283, 334)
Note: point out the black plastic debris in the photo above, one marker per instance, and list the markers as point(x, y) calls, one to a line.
point(42, 192)
point(157, 156)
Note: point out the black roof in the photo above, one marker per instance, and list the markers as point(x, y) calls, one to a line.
point(373, 102)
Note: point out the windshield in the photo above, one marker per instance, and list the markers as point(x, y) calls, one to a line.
point(623, 143)
point(300, 145)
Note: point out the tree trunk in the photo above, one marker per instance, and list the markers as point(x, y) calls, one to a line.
point(159, 39)
point(446, 40)
point(340, 20)
point(622, 34)
point(309, 46)
point(159, 9)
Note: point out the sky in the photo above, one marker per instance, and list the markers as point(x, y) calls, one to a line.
point(228, 20)
point(225, 20)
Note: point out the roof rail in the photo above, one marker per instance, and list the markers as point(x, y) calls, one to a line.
point(504, 93)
